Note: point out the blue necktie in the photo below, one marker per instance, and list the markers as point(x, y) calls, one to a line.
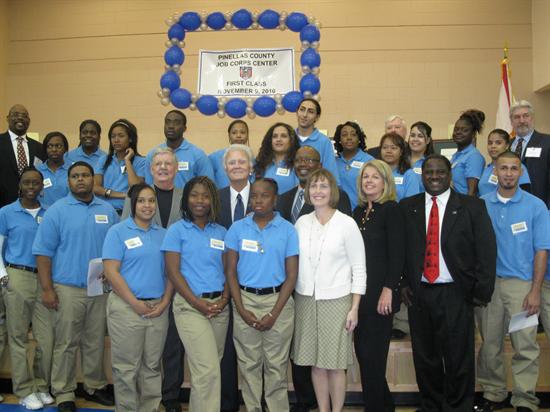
point(238, 213)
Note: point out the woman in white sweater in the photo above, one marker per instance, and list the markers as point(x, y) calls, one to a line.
point(331, 279)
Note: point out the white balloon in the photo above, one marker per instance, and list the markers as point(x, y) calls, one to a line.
point(318, 24)
point(194, 97)
point(254, 25)
point(168, 44)
point(307, 93)
point(220, 105)
point(251, 115)
point(284, 14)
point(282, 27)
point(228, 25)
point(249, 110)
point(167, 68)
point(310, 19)
point(204, 26)
point(281, 110)
point(305, 44)
point(192, 106)
point(159, 93)
point(221, 114)
point(249, 101)
point(165, 101)
point(203, 15)
point(165, 92)
point(174, 41)
point(316, 71)
point(317, 97)
point(315, 45)
point(176, 67)
point(255, 16)
point(305, 69)
point(181, 44)
point(278, 98)
point(169, 22)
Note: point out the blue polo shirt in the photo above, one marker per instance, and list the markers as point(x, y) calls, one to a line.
point(406, 184)
point(522, 227)
point(323, 145)
point(216, 160)
point(201, 252)
point(71, 234)
point(78, 155)
point(284, 176)
point(56, 184)
point(19, 228)
point(262, 252)
point(115, 176)
point(417, 168)
point(488, 182)
point(192, 162)
point(140, 257)
point(348, 170)
point(468, 163)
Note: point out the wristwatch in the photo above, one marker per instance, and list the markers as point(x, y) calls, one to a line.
point(108, 192)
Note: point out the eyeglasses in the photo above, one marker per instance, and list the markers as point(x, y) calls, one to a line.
point(306, 160)
point(15, 115)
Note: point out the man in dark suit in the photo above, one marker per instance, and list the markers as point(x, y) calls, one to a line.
point(307, 160)
point(450, 267)
point(533, 148)
point(17, 151)
point(291, 206)
point(238, 165)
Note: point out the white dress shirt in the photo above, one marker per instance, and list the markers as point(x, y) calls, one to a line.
point(442, 199)
point(25, 144)
point(244, 196)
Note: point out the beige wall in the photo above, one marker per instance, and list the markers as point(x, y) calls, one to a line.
point(541, 45)
point(426, 60)
point(3, 58)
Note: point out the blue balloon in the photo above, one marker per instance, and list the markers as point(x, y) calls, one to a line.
point(177, 31)
point(170, 80)
point(190, 20)
point(235, 108)
point(310, 58)
point(207, 105)
point(310, 83)
point(216, 21)
point(269, 19)
point(242, 19)
point(181, 98)
point(296, 21)
point(265, 106)
point(310, 33)
point(291, 101)
point(174, 55)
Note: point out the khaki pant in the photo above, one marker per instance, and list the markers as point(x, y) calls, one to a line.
point(79, 322)
point(204, 342)
point(493, 322)
point(545, 307)
point(136, 350)
point(401, 319)
point(263, 356)
point(22, 307)
point(3, 331)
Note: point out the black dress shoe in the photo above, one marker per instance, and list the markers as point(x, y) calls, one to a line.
point(100, 396)
point(397, 334)
point(523, 409)
point(66, 407)
point(172, 406)
point(488, 406)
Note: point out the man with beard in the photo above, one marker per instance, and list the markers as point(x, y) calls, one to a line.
point(522, 228)
point(192, 161)
point(17, 151)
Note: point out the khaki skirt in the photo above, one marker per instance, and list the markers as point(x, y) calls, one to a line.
point(320, 337)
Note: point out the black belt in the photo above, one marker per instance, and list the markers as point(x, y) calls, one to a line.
point(21, 267)
point(261, 291)
point(436, 285)
point(210, 295)
point(146, 299)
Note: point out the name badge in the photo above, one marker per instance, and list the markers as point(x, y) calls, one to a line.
point(122, 169)
point(519, 227)
point(217, 244)
point(533, 152)
point(398, 180)
point(357, 164)
point(38, 219)
point(417, 170)
point(250, 245)
point(183, 166)
point(103, 219)
point(133, 243)
point(47, 183)
point(281, 171)
point(493, 179)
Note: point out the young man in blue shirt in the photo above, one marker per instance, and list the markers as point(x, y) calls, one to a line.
point(70, 235)
point(522, 228)
point(192, 161)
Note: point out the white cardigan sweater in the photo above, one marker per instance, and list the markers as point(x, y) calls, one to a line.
point(332, 257)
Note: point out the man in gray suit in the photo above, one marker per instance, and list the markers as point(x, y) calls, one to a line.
point(164, 166)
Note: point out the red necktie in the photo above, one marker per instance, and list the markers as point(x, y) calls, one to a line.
point(21, 156)
point(431, 259)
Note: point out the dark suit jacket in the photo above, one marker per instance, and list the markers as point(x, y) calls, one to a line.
point(224, 218)
point(9, 175)
point(286, 200)
point(374, 152)
point(384, 238)
point(175, 213)
point(539, 167)
point(468, 244)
